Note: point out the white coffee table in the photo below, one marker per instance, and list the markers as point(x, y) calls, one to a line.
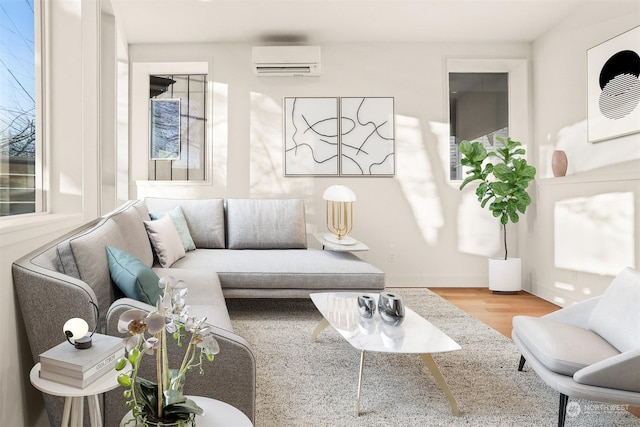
point(415, 335)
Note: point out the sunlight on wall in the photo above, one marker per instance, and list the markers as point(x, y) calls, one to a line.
point(266, 168)
point(219, 129)
point(416, 178)
point(69, 185)
point(441, 132)
point(595, 234)
point(479, 233)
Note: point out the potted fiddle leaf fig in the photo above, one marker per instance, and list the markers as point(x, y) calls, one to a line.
point(503, 176)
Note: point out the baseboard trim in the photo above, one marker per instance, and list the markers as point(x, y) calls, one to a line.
point(401, 281)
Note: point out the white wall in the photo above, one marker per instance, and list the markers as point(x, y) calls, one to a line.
point(584, 227)
point(434, 234)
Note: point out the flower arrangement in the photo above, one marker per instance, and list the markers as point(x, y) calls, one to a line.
point(162, 401)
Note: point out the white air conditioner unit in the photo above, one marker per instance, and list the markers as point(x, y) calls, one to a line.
point(286, 60)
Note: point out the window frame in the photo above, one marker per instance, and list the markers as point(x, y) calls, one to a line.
point(139, 120)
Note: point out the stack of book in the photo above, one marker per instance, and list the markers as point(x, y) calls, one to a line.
point(78, 368)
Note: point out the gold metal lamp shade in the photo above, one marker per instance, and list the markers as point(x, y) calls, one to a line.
point(339, 214)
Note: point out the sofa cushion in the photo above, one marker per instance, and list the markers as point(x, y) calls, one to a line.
point(204, 295)
point(165, 240)
point(177, 216)
point(205, 218)
point(616, 316)
point(286, 269)
point(561, 347)
point(132, 276)
point(266, 224)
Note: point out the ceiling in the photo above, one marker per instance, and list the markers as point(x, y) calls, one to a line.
point(326, 21)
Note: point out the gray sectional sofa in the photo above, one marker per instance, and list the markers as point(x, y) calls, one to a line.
point(238, 248)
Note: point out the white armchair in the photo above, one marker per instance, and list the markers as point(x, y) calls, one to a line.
point(590, 350)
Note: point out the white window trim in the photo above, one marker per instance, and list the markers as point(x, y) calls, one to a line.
point(139, 128)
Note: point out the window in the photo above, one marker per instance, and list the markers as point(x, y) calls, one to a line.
point(478, 111)
point(177, 127)
point(488, 98)
point(18, 119)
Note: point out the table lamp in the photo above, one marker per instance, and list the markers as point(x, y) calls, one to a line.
point(76, 330)
point(339, 214)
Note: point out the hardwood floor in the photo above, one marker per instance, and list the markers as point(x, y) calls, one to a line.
point(497, 311)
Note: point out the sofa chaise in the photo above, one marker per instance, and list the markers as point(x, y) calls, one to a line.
point(235, 248)
point(590, 350)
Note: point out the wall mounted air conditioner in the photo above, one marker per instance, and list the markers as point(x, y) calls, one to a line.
point(286, 60)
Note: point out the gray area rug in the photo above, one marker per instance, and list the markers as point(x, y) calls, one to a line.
point(300, 383)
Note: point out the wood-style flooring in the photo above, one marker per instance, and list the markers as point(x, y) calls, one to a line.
point(497, 310)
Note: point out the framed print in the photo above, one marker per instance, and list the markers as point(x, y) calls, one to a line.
point(164, 129)
point(367, 144)
point(310, 136)
point(613, 87)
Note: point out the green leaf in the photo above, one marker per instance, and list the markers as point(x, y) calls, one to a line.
point(186, 407)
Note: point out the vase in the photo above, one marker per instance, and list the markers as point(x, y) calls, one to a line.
point(366, 306)
point(559, 163)
point(391, 308)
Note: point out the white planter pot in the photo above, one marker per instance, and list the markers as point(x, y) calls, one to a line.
point(505, 275)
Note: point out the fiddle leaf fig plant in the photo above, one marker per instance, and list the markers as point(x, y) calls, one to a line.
point(503, 183)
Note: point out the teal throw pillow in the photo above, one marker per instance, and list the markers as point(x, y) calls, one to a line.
point(132, 276)
point(177, 216)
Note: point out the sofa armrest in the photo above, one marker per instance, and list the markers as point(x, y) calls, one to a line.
point(231, 377)
point(577, 314)
point(621, 372)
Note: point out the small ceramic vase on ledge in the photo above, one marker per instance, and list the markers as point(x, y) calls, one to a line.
point(391, 308)
point(559, 163)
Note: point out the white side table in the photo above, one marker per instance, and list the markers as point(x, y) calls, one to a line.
point(216, 413)
point(74, 402)
point(358, 246)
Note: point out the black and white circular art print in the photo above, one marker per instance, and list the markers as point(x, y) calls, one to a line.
point(620, 84)
point(613, 87)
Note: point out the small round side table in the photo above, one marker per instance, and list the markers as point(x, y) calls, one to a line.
point(74, 396)
point(216, 414)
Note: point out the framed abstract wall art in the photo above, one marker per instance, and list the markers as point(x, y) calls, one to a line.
point(164, 132)
point(311, 132)
point(367, 140)
point(613, 87)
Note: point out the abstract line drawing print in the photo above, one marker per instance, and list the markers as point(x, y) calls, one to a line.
point(367, 136)
point(310, 136)
point(614, 87)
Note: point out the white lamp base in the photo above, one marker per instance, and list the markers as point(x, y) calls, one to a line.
point(346, 240)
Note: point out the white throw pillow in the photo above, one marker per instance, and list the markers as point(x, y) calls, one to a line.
point(165, 240)
point(616, 317)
